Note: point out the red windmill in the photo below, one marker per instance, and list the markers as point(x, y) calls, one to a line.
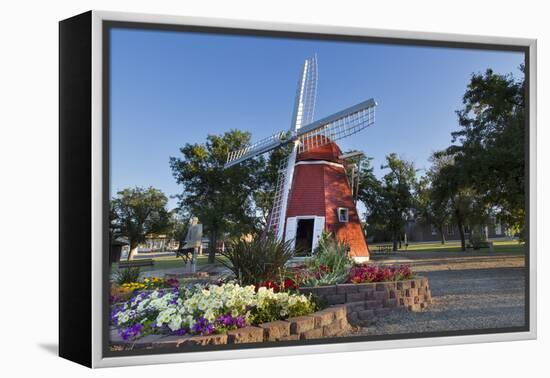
point(313, 191)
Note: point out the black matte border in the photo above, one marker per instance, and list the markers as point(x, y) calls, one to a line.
point(107, 26)
point(75, 189)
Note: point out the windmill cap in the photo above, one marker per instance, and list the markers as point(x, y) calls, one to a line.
point(328, 150)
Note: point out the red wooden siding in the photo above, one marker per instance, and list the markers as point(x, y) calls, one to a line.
point(320, 189)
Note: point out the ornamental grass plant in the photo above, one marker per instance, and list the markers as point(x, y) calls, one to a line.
point(330, 264)
point(127, 275)
point(258, 260)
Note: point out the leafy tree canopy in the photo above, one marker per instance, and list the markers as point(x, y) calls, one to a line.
point(491, 143)
point(221, 198)
point(138, 212)
point(389, 202)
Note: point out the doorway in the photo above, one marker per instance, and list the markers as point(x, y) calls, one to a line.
point(304, 236)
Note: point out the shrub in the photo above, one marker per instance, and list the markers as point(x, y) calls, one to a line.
point(261, 259)
point(477, 240)
point(329, 265)
point(127, 275)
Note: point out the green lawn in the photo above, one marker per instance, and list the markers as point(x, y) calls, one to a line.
point(500, 246)
point(511, 246)
point(171, 263)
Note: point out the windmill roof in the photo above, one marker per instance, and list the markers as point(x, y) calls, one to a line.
point(328, 151)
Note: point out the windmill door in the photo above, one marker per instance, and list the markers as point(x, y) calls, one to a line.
point(318, 229)
point(304, 235)
point(305, 231)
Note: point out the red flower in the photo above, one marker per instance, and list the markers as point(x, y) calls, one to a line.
point(373, 273)
point(269, 285)
point(289, 284)
point(172, 282)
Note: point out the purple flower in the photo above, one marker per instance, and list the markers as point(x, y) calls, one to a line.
point(131, 332)
point(180, 332)
point(114, 318)
point(225, 320)
point(229, 321)
point(240, 322)
point(202, 327)
point(208, 329)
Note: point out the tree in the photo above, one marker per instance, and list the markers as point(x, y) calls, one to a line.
point(178, 226)
point(491, 143)
point(429, 209)
point(450, 186)
point(221, 198)
point(138, 212)
point(370, 195)
point(389, 202)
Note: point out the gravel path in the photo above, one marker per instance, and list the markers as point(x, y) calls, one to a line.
point(463, 300)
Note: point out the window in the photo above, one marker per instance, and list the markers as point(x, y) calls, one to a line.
point(343, 215)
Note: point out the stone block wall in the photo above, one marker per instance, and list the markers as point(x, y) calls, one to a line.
point(368, 301)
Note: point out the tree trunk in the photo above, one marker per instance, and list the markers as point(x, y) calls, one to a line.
point(394, 241)
point(212, 247)
point(462, 237)
point(442, 233)
point(133, 252)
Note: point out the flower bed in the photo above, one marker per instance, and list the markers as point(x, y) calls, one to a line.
point(124, 291)
point(374, 273)
point(304, 276)
point(201, 310)
point(329, 322)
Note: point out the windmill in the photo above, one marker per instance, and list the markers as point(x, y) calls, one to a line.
point(313, 193)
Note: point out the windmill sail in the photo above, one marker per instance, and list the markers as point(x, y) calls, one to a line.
point(304, 107)
point(334, 127)
point(275, 214)
point(258, 148)
point(337, 126)
point(306, 93)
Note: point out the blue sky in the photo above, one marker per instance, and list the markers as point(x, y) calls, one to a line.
point(172, 88)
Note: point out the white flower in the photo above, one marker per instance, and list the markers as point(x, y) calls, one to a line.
point(175, 322)
point(177, 310)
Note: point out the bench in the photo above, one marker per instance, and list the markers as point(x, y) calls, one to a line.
point(136, 263)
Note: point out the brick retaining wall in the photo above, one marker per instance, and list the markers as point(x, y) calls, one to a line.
point(368, 301)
